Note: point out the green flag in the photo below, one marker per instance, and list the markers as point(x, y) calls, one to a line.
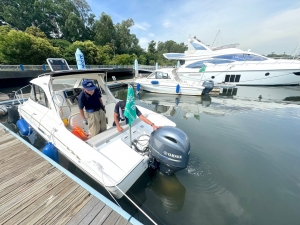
point(203, 68)
point(130, 111)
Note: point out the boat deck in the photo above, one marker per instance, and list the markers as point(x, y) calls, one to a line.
point(35, 191)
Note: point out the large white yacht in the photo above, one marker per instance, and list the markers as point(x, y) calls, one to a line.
point(231, 65)
point(113, 159)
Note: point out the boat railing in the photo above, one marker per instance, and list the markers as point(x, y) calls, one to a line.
point(19, 95)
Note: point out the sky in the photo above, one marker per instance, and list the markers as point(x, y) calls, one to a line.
point(264, 26)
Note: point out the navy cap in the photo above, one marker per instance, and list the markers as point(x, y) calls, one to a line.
point(88, 85)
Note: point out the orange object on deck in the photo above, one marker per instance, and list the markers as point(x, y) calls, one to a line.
point(77, 131)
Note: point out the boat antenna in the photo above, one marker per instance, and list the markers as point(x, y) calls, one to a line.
point(296, 50)
point(216, 37)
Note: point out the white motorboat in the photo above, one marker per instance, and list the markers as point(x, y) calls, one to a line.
point(166, 81)
point(113, 159)
point(231, 65)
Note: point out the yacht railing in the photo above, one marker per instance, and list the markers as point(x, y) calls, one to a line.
point(19, 95)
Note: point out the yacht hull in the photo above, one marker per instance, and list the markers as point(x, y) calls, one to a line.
point(245, 75)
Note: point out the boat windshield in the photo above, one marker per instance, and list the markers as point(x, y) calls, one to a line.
point(241, 57)
point(200, 64)
point(159, 75)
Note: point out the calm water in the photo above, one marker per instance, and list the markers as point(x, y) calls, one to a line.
point(244, 165)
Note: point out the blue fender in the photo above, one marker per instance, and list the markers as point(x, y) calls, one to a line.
point(51, 151)
point(138, 87)
point(154, 82)
point(24, 127)
point(177, 88)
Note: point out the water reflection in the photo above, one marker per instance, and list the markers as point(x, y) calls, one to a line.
point(228, 101)
point(169, 191)
point(284, 94)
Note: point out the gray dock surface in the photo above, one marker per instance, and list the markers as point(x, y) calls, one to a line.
point(34, 191)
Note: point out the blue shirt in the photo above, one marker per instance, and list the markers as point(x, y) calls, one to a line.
point(91, 103)
point(118, 110)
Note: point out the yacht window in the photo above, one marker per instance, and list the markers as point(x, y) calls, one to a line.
point(166, 76)
point(199, 64)
point(61, 84)
point(241, 57)
point(235, 57)
point(38, 95)
point(152, 76)
point(159, 75)
point(251, 57)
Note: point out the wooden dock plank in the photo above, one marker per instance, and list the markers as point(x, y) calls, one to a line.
point(33, 191)
point(10, 164)
point(112, 219)
point(62, 205)
point(43, 211)
point(13, 153)
point(26, 190)
point(63, 216)
point(14, 170)
point(102, 216)
point(17, 207)
point(9, 144)
point(45, 199)
point(92, 214)
point(83, 211)
point(6, 137)
point(16, 182)
point(122, 221)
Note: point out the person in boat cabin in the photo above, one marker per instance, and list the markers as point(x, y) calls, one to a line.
point(119, 115)
point(90, 99)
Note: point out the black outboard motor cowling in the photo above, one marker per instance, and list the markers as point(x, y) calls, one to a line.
point(170, 147)
point(209, 85)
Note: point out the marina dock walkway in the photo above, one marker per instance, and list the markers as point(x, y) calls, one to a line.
point(36, 190)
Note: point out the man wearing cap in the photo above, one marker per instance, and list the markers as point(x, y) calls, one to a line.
point(119, 115)
point(90, 99)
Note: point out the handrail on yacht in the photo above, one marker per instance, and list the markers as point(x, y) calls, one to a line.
point(18, 97)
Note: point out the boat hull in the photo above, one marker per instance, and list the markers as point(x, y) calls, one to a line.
point(243, 75)
point(167, 89)
point(53, 131)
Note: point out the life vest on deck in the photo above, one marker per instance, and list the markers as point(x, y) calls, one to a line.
point(77, 131)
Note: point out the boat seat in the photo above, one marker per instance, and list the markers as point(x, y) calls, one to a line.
point(75, 120)
point(110, 133)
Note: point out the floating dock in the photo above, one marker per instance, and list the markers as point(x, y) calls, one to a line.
point(36, 190)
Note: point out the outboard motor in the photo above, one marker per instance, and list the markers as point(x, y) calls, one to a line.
point(169, 149)
point(209, 85)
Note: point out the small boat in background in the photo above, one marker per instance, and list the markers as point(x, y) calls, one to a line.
point(166, 81)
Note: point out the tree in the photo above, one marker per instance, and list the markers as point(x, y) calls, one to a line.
point(56, 18)
point(61, 44)
point(4, 30)
point(104, 30)
point(142, 60)
point(34, 31)
point(89, 50)
point(74, 28)
point(124, 59)
point(19, 47)
point(151, 54)
point(125, 42)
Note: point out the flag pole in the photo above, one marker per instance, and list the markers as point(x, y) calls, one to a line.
point(130, 109)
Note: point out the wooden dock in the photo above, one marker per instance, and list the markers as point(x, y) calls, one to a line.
point(34, 190)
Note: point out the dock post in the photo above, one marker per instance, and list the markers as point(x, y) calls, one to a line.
point(136, 68)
